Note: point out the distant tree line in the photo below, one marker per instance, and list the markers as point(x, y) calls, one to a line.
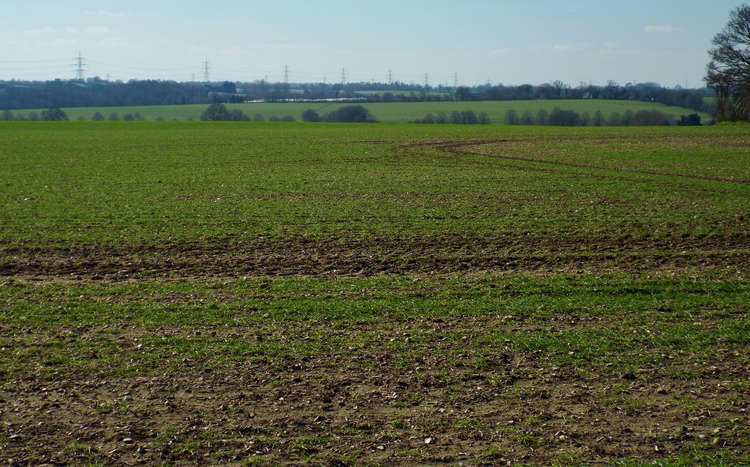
point(372, 92)
point(57, 114)
point(559, 117)
point(114, 116)
point(401, 92)
point(467, 117)
point(645, 92)
point(95, 92)
point(52, 114)
point(345, 114)
point(219, 113)
point(99, 93)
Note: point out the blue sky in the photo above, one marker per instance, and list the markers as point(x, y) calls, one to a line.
point(501, 41)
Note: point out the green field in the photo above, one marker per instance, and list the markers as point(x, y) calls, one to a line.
point(236, 293)
point(393, 112)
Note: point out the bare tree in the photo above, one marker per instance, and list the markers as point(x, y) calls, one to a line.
point(729, 69)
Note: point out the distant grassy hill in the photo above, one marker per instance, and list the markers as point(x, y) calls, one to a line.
point(396, 112)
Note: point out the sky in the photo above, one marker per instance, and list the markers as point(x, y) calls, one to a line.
point(498, 41)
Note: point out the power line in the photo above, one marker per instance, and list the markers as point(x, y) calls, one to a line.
point(79, 66)
point(136, 68)
point(40, 62)
point(83, 67)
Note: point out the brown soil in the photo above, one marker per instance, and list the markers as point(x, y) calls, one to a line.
point(423, 256)
point(372, 405)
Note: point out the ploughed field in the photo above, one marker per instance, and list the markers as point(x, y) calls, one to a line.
point(230, 293)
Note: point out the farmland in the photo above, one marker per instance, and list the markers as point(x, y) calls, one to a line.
point(393, 112)
point(187, 292)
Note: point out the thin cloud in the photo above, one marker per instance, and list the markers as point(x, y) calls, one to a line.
point(97, 30)
point(105, 13)
point(663, 29)
point(278, 46)
point(39, 31)
point(611, 48)
point(58, 43)
point(499, 52)
point(112, 42)
point(574, 47)
point(199, 50)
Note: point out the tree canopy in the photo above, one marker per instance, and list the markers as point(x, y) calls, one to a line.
point(350, 114)
point(310, 115)
point(729, 69)
point(54, 114)
point(219, 112)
